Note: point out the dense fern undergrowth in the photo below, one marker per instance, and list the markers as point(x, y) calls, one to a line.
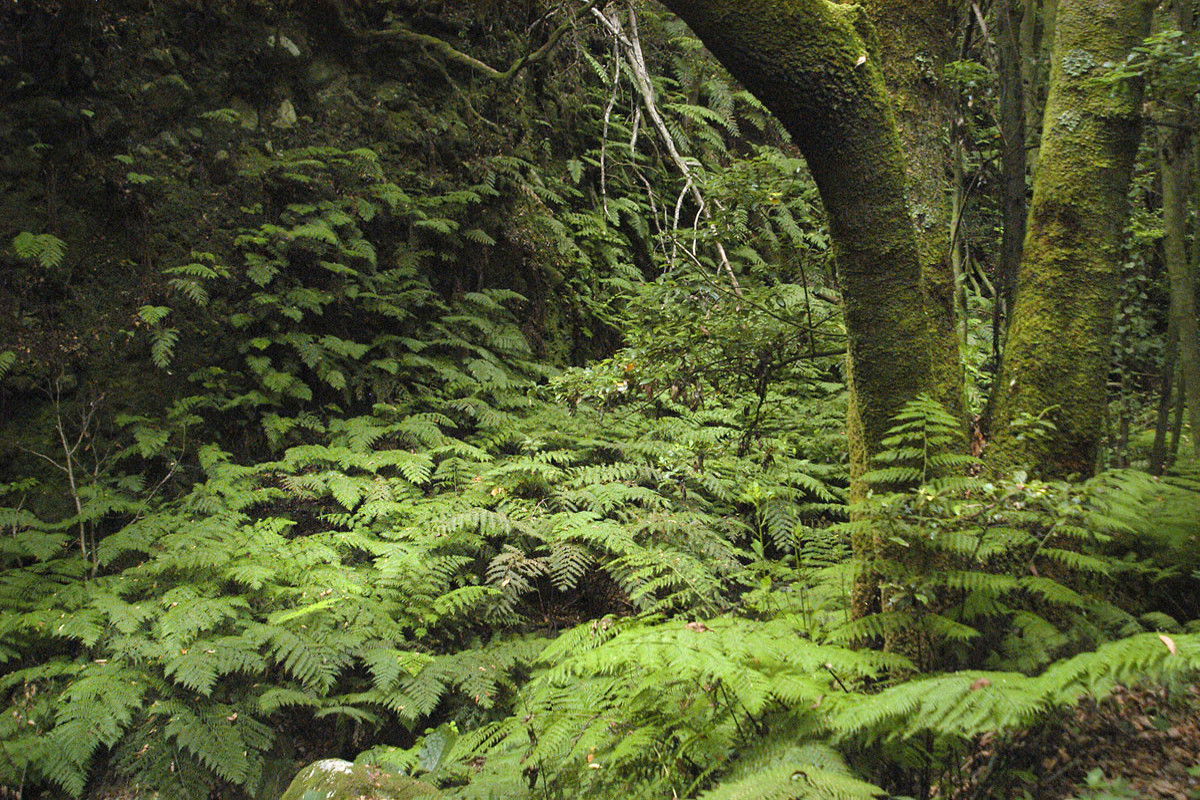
point(623, 580)
point(367, 516)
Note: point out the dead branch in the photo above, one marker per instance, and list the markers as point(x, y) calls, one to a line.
point(451, 53)
point(645, 86)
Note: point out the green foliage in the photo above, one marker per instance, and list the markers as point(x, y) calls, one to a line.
point(370, 511)
point(388, 519)
point(45, 248)
point(1099, 787)
point(1168, 61)
point(645, 707)
point(978, 570)
point(365, 512)
point(642, 708)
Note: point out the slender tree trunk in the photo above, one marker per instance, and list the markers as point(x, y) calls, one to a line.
point(1058, 353)
point(1158, 452)
point(1176, 181)
point(1038, 22)
point(1177, 424)
point(1012, 155)
point(1176, 160)
point(1031, 43)
point(958, 240)
point(1049, 26)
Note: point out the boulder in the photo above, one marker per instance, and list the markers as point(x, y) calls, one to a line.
point(321, 73)
point(168, 95)
point(334, 779)
point(286, 117)
point(247, 114)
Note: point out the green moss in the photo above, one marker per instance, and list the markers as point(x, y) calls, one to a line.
point(816, 65)
point(167, 96)
point(1057, 358)
point(333, 779)
point(918, 45)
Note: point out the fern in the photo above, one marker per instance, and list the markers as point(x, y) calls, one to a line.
point(795, 782)
point(7, 360)
point(46, 249)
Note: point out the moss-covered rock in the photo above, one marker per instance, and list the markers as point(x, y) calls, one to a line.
point(167, 96)
point(334, 779)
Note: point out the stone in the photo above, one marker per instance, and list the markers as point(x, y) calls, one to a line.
point(221, 168)
point(321, 73)
point(286, 118)
point(334, 779)
point(284, 43)
point(247, 114)
point(167, 95)
point(391, 94)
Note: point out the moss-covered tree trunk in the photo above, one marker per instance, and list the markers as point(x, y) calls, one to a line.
point(1176, 160)
point(814, 64)
point(917, 43)
point(1058, 355)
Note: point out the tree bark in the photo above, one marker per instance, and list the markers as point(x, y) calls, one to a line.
point(1176, 160)
point(1058, 353)
point(1177, 423)
point(1012, 159)
point(1031, 33)
point(1158, 452)
point(920, 41)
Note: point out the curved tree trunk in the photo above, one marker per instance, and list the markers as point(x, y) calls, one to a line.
point(814, 64)
point(1058, 354)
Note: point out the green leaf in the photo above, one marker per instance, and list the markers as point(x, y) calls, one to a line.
point(152, 315)
point(437, 747)
point(45, 248)
point(575, 167)
point(7, 359)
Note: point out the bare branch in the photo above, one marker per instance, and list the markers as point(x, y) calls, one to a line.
point(637, 64)
point(451, 53)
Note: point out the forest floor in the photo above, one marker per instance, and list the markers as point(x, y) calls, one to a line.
point(1145, 741)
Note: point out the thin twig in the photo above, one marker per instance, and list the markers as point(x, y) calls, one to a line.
point(451, 53)
point(612, 102)
point(641, 75)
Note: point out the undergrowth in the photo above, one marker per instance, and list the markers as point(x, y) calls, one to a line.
point(370, 521)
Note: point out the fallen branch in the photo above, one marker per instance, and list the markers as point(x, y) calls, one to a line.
point(451, 53)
